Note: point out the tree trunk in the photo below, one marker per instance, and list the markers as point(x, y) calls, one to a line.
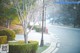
point(7, 23)
point(25, 33)
point(25, 37)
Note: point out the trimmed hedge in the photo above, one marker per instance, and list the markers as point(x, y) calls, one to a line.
point(21, 47)
point(3, 39)
point(9, 33)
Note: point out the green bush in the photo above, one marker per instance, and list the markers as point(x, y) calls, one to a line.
point(17, 31)
point(3, 39)
point(9, 33)
point(37, 28)
point(21, 47)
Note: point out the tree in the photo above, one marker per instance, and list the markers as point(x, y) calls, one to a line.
point(27, 10)
point(7, 12)
point(66, 12)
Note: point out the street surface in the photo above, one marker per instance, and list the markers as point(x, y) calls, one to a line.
point(69, 38)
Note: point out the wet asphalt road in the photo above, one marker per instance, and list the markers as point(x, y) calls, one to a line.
point(69, 39)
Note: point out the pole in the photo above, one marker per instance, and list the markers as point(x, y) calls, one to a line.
point(42, 41)
point(45, 19)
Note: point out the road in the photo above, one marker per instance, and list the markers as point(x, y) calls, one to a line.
point(69, 38)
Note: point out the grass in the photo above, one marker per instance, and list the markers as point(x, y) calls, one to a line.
point(40, 49)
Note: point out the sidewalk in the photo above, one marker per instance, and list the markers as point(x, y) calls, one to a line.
point(48, 39)
point(36, 36)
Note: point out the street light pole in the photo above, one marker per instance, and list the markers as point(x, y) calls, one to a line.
point(42, 40)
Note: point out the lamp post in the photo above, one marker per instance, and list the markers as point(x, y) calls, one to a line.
point(43, 19)
point(42, 40)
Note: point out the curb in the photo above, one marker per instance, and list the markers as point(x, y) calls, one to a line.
point(50, 49)
point(54, 46)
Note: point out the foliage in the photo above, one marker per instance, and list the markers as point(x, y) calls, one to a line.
point(9, 33)
point(66, 13)
point(38, 29)
point(7, 12)
point(15, 21)
point(21, 47)
point(3, 39)
point(17, 31)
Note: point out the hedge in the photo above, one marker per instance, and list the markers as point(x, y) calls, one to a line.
point(9, 33)
point(21, 47)
point(3, 39)
point(39, 29)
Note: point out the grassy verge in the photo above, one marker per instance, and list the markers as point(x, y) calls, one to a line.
point(40, 49)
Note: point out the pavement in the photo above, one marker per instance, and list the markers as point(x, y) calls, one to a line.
point(49, 38)
point(36, 36)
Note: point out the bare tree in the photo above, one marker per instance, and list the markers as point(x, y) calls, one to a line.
point(27, 10)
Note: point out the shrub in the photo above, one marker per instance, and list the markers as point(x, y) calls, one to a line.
point(17, 31)
point(21, 47)
point(3, 39)
point(9, 33)
point(37, 28)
